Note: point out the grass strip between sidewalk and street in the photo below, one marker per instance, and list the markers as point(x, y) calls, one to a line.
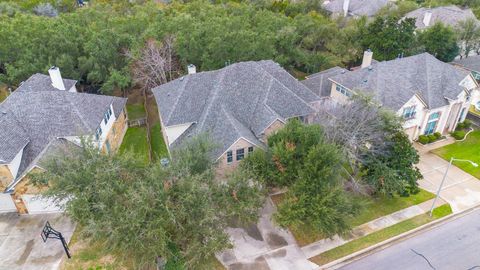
point(373, 209)
point(381, 235)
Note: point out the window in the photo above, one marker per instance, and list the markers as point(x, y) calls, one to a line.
point(462, 113)
point(343, 90)
point(409, 112)
point(240, 154)
point(432, 123)
point(98, 133)
point(107, 115)
point(229, 156)
point(250, 149)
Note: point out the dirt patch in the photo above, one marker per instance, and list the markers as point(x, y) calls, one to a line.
point(275, 241)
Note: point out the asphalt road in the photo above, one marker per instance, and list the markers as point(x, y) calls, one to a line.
point(454, 245)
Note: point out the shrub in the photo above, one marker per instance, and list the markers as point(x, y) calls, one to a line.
point(460, 126)
point(423, 139)
point(432, 138)
point(459, 134)
point(437, 135)
point(467, 124)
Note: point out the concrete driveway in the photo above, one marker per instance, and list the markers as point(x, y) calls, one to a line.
point(461, 190)
point(21, 246)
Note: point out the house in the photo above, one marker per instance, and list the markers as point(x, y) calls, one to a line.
point(45, 113)
point(319, 83)
point(448, 15)
point(472, 64)
point(431, 96)
point(238, 106)
point(355, 8)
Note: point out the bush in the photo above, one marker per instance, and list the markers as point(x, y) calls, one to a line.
point(459, 134)
point(437, 135)
point(467, 124)
point(460, 126)
point(423, 139)
point(432, 138)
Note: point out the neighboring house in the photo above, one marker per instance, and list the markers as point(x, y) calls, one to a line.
point(46, 113)
point(448, 15)
point(472, 64)
point(320, 83)
point(238, 106)
point(355, 8)
point(432, 96)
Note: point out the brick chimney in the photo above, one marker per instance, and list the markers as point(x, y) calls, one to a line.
point(192, 69)
point(427, 18)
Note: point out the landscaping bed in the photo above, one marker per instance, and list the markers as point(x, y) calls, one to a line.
point(462, 129)
point(373, 209)
point(379, 236)
point(467, 149)
point(426, 139)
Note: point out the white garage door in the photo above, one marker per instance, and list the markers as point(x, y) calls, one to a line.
point(6, 203)
point(37, 205)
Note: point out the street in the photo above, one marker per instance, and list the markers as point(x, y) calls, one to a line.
point(453, 245)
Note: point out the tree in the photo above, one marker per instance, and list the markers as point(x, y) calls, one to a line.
point(389, 37)
point(440, 41)
point(299, 157)
point(468, 33)
point(156, 64)
point(150, 211)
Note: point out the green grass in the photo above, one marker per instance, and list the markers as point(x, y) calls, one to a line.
point(379, 236)
point(468, 149)
point(135, 140)
point(136, 111)
point(373, 209)
point(159, 148)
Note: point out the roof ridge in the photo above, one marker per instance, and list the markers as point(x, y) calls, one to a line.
point(229, 117)
point(288, 89)
point(77, 112)
point(177, 99)
point(427, 80)
point(216, 89)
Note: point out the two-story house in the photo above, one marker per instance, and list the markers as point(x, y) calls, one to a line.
point(45, 113)
point(238, 106)
point(431, 96)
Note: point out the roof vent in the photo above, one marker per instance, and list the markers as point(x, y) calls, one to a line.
point(181, 78)
point(365, 80)
point(370, 67)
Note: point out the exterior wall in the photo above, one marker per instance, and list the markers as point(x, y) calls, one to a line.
point(106, 128)
point(414, 124)
point(116, 133)
point(73, 89)
point(5, 176)
point(276, 125)
point(223, 166)
point(173, 132)
point(15, 164)
point(337, 96)
point(26, 187)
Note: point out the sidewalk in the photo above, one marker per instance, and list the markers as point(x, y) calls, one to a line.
point(323, 245)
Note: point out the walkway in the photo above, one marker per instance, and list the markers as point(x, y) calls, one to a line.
point(461, 190)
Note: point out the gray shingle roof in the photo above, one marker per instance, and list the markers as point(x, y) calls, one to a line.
point(41, 82)
point(448, 15)
point(12, 137)
point(394, 82)
point(47, 114)
point(240, 100)
point(471, 63)
point(319, 82)
point(357, 7)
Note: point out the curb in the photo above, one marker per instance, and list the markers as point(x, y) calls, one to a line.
point(394, 240)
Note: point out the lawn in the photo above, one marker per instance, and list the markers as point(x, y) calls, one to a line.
point(135, 140)
point(159, 148)
point(136, 111)
point(379, 236)
point(468, 149)
point(373, 208)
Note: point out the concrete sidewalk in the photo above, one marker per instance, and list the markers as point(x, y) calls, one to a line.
point(461, 190)
point(323, 245)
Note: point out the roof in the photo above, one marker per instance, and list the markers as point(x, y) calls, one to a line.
point(238, 101)
point(394, 82)
point(319, 82)
point(42, 115)
point(448, 15)
point(471, 63)
point(41, 82)
point(356, 7)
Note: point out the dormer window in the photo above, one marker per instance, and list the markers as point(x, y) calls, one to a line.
point(409, 112)
point(344, 91)
point(107, 115)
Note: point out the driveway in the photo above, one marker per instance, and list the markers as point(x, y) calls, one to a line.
point(21, 246)
point(461, 190)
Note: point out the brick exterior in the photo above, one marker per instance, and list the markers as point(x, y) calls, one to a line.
point(5, 176)
point(276, 125)
point(223, 166)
